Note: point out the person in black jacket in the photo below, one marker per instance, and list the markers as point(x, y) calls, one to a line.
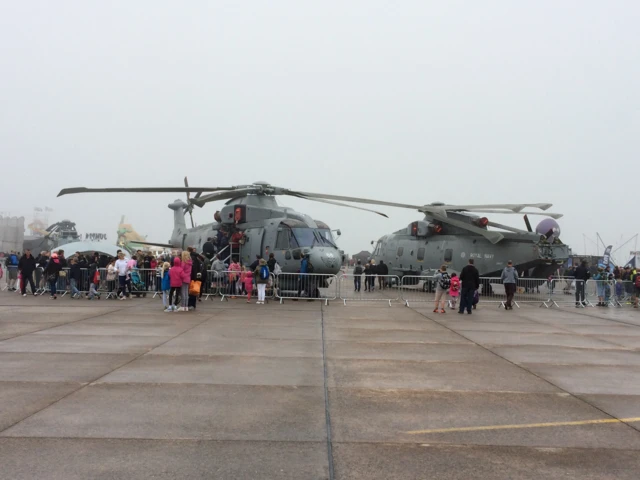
point(582, 274)
point(196, 274)
point(53, 273)
point(75, 277)
point(470, 279)
point(26, 266)
point(382, 270)
point(208, 248)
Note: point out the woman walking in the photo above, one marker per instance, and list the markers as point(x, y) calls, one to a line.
point(52, 273)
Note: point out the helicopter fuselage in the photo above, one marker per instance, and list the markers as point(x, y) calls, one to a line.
point(407, 254)
point(266, 228)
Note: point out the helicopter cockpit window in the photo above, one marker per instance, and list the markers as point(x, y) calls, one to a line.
point(448, 255)
point(285, 239)
point(420, 254)
point(305, 237)
point(378, 248)
point(400, 251)
point(326, 237)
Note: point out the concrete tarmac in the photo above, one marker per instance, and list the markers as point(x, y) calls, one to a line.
point(119, 389)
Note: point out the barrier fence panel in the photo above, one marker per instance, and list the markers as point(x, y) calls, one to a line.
point(309, 286)
point(601, 293)
point(562, 295)
point(625, 293)
point(416, 288)
point(231, 284)
point(368, 288)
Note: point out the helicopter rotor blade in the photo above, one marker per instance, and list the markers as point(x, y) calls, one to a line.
point(493, 237)
point(342, 198)
point(514, 207)
point(528, 223)
point(75, 190)
point(212, 197)
point(544, 214)
point(340, 204)
point(189, 207)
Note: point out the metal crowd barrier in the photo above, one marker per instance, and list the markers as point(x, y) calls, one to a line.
point(568, 292)
point(310, 286)
point(416, 288)
point(231, 285)
point(368, 288)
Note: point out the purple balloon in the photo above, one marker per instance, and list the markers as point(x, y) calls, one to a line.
point(546, 225)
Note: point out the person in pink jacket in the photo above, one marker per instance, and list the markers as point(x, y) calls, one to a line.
point(186, 279)
point(247, 280)
point(175, 280)
point(454, 289)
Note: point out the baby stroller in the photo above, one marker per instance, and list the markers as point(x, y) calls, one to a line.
point(138, 287)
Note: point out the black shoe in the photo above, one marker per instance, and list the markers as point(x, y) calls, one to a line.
point(469, 313)
point(461, 313)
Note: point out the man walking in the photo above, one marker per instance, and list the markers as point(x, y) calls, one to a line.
point(582, 275)
point(12, 270)
point(509, 280)
point(27, 265)
point(382, 271)
point(470, 278)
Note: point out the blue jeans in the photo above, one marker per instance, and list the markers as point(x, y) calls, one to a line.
point(466, 299)
point(52, 287)
point(74, 287)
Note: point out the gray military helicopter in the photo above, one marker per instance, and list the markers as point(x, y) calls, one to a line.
point(453, 234)
point(251, 223)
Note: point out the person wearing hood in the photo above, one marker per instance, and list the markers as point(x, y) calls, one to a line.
point(52, 273)
point(509, 280)
point(175, 282)
point(196, 276)
point(261, 276)
point(26, 266)
point(187, 268)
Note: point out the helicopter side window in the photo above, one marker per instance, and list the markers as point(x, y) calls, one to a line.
point(400, 251)
point(282, 241)
point(448, 255)
point(421, 254)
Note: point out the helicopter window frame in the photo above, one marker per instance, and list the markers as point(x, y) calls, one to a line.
point(400, 252)
point(420, 256)
point(326, 238)
point(282, 239)
point(448, 255)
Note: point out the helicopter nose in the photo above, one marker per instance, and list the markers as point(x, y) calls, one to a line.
point(325, 258)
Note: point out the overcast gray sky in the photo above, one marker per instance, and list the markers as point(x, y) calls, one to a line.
point(411, 101)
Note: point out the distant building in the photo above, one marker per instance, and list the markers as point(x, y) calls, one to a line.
point(11, 234)
point(363, 256)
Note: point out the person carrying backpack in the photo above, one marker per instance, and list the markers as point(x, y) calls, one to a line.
point(357, 276)
point(262, 276)
point(12, 270)
point(443, 283)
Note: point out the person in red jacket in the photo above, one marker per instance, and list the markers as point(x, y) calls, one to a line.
point(175, 281)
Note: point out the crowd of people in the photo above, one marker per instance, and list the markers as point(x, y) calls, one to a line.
point(180, 277)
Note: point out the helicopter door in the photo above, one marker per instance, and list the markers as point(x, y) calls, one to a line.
point(252, 245)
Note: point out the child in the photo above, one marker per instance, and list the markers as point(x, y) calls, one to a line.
point(187, 266)
point(175, 282)
point(112, 274)
point(454, 289)
point(262, 278)
point(234, 268)
point(165, 282)
point(158, 267)
point(247, 280)
point(94, 282)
